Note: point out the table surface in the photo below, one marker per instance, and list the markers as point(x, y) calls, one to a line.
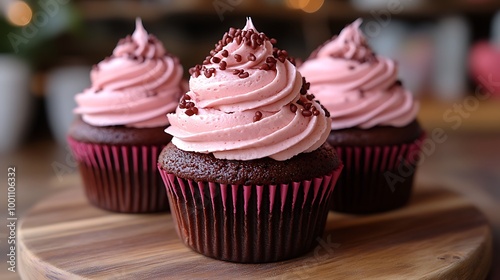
point(466, 163)
point(64, 236)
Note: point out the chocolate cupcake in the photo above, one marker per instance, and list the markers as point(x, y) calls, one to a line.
point(248, 174)
point(118, 134)
point(374, 127)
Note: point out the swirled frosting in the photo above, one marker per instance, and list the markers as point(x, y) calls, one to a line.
point(135, 87)
point(248, 101)
point(359, 88)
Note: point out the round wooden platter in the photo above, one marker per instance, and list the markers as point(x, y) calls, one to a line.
point(440, 235)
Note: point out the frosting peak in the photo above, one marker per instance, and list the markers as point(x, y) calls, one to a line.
point(140, 44)
point(359, 88)
point(349, 44)
point(135, 87)
point(249, 25)
point(248, 101)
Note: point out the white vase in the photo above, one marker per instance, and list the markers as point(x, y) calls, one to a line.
point(16, 102)
point(63, 83)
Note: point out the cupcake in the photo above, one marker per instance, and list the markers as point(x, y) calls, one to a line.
point(374, 127)
point(118, 133)
point(248, 174)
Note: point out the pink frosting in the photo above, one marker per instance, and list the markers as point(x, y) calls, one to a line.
point(136, 87)
point(244, 108)
point(359, 88)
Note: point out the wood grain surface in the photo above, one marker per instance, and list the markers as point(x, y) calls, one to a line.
point(440, 235)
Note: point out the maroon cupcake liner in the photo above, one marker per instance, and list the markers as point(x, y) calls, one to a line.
point(250, 224)
point(121, 178)
point(376, 178)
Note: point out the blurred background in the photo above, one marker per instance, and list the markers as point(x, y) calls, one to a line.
point(448, 53)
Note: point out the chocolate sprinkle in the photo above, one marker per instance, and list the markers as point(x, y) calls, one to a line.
point(293, 108)
point(264, 67)
point(251, 57)
point(306, 113)
point(237, 57)
point(270, 59)
point(189, 112)
point(244, 75)
point(257, 117)
point(225, 53)
point(222, 65)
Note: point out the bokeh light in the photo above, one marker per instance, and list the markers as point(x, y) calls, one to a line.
point(297, 4)
point(19, 13)
point(308, 6)
point(313, 6)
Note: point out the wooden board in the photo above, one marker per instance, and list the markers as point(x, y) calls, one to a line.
point(438, 236)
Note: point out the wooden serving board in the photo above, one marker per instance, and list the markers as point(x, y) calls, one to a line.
point(438, 236)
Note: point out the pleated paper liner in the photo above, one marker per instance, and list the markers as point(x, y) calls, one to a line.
point(121, 178)
point(376, 178)
point(250, 224)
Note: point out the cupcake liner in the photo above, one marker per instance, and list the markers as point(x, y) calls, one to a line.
point(121, 178)
point(376, 178)
point(250, 224)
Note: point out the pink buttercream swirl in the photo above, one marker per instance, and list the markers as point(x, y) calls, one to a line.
point(136, 87)
point(359, 88)
point(245, 103)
